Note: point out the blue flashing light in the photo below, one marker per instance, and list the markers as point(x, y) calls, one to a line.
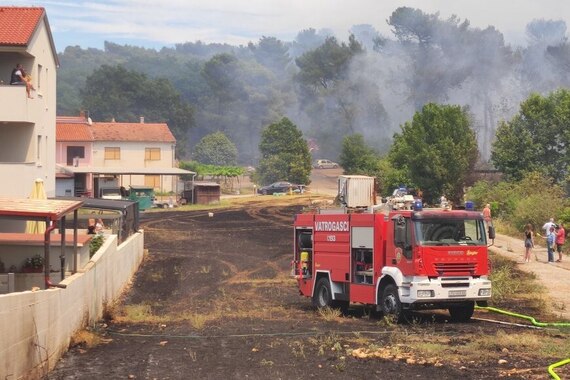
point(418, 205)
point(470, 206)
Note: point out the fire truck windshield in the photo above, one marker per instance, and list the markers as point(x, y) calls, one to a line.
point(450, 232)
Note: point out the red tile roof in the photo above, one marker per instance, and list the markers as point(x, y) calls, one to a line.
point(70, 119)
point(157, 132)
point(73, 132)
point(70, 128)
point(17, 25)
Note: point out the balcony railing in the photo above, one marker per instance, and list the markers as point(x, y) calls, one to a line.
point(16, 106)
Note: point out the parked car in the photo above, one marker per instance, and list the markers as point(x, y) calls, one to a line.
point(280, 187)
point(325, 164)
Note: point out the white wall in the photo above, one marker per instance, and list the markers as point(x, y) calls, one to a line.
point(64, 187)
point(133, 156)
point(36, 327)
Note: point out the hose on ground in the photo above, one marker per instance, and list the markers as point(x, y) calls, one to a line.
point(535, 323)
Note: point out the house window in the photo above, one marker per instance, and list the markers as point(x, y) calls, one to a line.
point(73, 152)
point(39, 77)
point(152, 181)
point(39, 150)
point(112, 153)
point(152, 154)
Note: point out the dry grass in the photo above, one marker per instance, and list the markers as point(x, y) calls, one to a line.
point(507, 283)
point(205, 269)
point(505, 228)
point(198, 321)
point(138, 313)
point(88, 339)
point(435, 348)
point(249, 305)
point(244, 200)
point(329, 314)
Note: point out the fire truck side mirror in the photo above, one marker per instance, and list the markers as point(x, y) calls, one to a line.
point(491, 233)
point(400, 234)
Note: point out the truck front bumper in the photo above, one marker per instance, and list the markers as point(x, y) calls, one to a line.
point(424, 290)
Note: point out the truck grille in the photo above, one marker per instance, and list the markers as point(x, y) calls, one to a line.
point(455, 269)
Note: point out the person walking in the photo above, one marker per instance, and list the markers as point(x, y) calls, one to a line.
point(560, 240)
point(528, 242)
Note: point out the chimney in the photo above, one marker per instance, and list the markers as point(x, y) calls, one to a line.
point(112, 120)
point(82, 114)
point(142, 119)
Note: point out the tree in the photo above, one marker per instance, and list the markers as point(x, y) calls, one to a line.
point(216, 149)
point(327, 64)
point(222, 75)
point(307, 39)
point(438, 149)
point(284, 154)
point(113, 92)
point(271, 53)
point(356, 156)
point(443, 54)
point(536, 139)
point(243, 96)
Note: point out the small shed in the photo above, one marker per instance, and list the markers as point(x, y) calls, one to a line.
point(206, 192)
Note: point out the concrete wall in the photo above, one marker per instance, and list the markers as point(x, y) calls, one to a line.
point(36, 327)
point(16, 255)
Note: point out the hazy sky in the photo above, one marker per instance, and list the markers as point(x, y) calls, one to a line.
point(152, 23)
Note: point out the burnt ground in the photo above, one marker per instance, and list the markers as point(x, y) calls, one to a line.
point(213, 299)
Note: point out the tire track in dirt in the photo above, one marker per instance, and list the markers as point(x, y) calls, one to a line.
point(262, 218)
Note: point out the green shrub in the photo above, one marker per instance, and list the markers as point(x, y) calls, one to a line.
point(35, 262)
point(95, 243)
point(534, 199)
point(565, 217)
point(535, 209)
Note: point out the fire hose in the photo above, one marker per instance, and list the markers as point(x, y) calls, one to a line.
point(535, 323)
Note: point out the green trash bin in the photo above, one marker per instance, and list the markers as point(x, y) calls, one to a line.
point(144, 195)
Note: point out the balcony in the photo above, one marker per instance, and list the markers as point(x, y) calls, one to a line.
point(17, 107)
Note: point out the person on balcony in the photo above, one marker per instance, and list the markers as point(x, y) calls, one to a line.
point(19, 78)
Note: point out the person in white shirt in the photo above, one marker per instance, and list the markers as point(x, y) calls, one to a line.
point(547, 226)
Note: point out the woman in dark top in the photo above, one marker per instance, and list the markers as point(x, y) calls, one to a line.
point(528, 242)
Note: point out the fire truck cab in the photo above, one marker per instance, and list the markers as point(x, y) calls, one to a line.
point(394, 260)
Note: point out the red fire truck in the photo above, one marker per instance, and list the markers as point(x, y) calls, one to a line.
point(394, 260)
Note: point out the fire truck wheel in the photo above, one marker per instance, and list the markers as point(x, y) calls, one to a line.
point(462, 313)
point(342, 306)
point(391, 306)
point(323, 295)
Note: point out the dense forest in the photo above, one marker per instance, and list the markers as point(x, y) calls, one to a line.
point(329, 86)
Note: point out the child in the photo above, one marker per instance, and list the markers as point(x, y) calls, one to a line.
point(99, 226)
point(528, 242)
